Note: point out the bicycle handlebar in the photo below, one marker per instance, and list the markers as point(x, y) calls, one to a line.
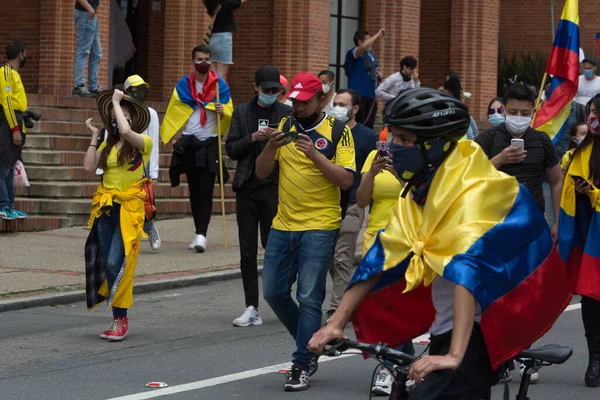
point(381, 351)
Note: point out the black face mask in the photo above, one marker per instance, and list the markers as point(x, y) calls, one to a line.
point(23, 61)
point(115, 126)
point(139, 95)
point(309, 121)
point(405, 77)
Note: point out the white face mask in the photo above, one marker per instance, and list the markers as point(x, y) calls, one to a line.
point(341, 113)
point(517, 125)
point(326, 88)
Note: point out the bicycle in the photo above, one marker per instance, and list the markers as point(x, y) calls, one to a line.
point(533, 359)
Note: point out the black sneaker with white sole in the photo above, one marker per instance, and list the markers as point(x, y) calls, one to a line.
point(296, 380)
point(313, 366)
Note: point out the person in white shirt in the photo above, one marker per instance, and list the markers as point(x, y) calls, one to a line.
point(406, 78)
point(328, 80)
point(589, 82)
point(136, 87)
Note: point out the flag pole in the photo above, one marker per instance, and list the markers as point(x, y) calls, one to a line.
point(539, 99)
point(221, 171)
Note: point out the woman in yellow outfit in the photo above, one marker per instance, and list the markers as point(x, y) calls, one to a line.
point(117, 217)
point(380, 187)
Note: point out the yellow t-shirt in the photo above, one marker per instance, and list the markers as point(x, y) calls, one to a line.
point(386, 191)
point(122, 177)
point(308, 200)
point(13, 97)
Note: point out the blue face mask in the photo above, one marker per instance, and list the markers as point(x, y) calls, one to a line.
point(267, 99)
point(589, 73)
point(408, 161)
point(496, 119)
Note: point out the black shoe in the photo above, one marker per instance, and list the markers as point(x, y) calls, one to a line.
point(313, 366)
point(296, 380)
point(81, 91)
point(592, 375)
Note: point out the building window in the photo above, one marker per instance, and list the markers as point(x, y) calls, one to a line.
point(344, 21)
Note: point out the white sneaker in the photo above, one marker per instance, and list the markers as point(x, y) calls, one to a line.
point(534, 377)
point(199, 244)
point(383, 384)
point(249, 317)
point(154, 239)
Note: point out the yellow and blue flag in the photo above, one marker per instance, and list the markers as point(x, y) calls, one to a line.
point(480, 229)
point(579, 228)
point(563, 65)
point(185, 101)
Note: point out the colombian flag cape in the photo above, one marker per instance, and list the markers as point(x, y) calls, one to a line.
point(183, 104)
point(579, 229)
point(480, 229)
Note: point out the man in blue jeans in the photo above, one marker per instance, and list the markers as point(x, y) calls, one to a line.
point(313, 166)
point(88, 46)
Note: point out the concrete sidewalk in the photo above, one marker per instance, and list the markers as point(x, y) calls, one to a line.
point(45, 268)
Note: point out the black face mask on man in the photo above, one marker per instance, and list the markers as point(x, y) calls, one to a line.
point(23, 62)
point(139, 94)
point(309, 121)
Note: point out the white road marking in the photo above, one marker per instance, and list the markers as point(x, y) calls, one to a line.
point(218, 380)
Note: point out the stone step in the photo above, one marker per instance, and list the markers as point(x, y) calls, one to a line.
point(54, 114)
point(77, 173)
point(35, 223)
point(53, 101)
point(72, 207)
point(74, 143)
point(86, 190)
point(76, 158)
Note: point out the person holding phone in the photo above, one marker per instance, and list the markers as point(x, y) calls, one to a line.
point(518, 150)
point(255, 199)
point(578, 230)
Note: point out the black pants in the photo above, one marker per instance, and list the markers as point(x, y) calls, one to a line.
point(590, 313)
point(365, 106)
point(201, 183)
point(471, 381)
point(254, 209)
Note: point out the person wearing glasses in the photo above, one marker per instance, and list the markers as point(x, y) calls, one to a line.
point(496, 112)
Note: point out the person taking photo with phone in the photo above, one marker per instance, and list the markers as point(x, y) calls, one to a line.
point(313, 169)
point(578, 229)
point(532, 158)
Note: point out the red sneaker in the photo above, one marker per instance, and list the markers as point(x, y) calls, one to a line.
point(106, 333)
point(119, 331)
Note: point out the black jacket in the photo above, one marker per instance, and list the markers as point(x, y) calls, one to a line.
point(190, 153)
point(239, 146)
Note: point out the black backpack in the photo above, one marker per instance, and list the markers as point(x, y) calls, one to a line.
point(337, 132)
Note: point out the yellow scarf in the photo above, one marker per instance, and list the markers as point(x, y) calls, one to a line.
point(579, 166)
point(467, 197)
point(132, 229)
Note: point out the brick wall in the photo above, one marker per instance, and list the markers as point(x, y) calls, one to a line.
point(434, 61)
point(252, 44)
point(526, 26)
point(28, 16)
point(474, 51)
point(150, 47)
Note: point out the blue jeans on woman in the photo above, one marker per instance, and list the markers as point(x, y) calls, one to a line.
point(87, 46)
point(112, 249)
point(7, 193)
point(304, 257)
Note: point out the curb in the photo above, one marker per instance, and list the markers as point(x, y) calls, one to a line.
point(75, 296)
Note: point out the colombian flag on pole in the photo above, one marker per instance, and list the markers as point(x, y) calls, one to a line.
point(579, 229)
point(563, 64)
point(501, 250)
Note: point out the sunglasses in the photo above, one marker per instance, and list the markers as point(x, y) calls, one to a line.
point(493, 111)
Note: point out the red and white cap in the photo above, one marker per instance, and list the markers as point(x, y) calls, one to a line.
point(304, 87)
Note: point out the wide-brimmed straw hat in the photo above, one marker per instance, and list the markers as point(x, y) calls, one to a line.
point(140, 115)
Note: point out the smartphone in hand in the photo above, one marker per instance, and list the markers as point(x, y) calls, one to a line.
point(518, 143)
point(383, 148)
point(578, 179)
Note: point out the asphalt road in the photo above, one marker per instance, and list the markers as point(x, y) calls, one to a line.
point(185, 337)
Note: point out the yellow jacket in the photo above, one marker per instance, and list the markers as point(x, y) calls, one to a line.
point(132, 229)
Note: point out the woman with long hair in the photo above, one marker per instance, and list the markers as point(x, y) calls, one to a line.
point(453, 87)
point(578, 230)
point(221, 37)
point(117, 218)
point(578, 133)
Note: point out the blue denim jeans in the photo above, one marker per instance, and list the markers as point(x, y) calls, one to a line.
point(112, 248)
point(88, 46)
point(7, 193)
point(303, 257)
